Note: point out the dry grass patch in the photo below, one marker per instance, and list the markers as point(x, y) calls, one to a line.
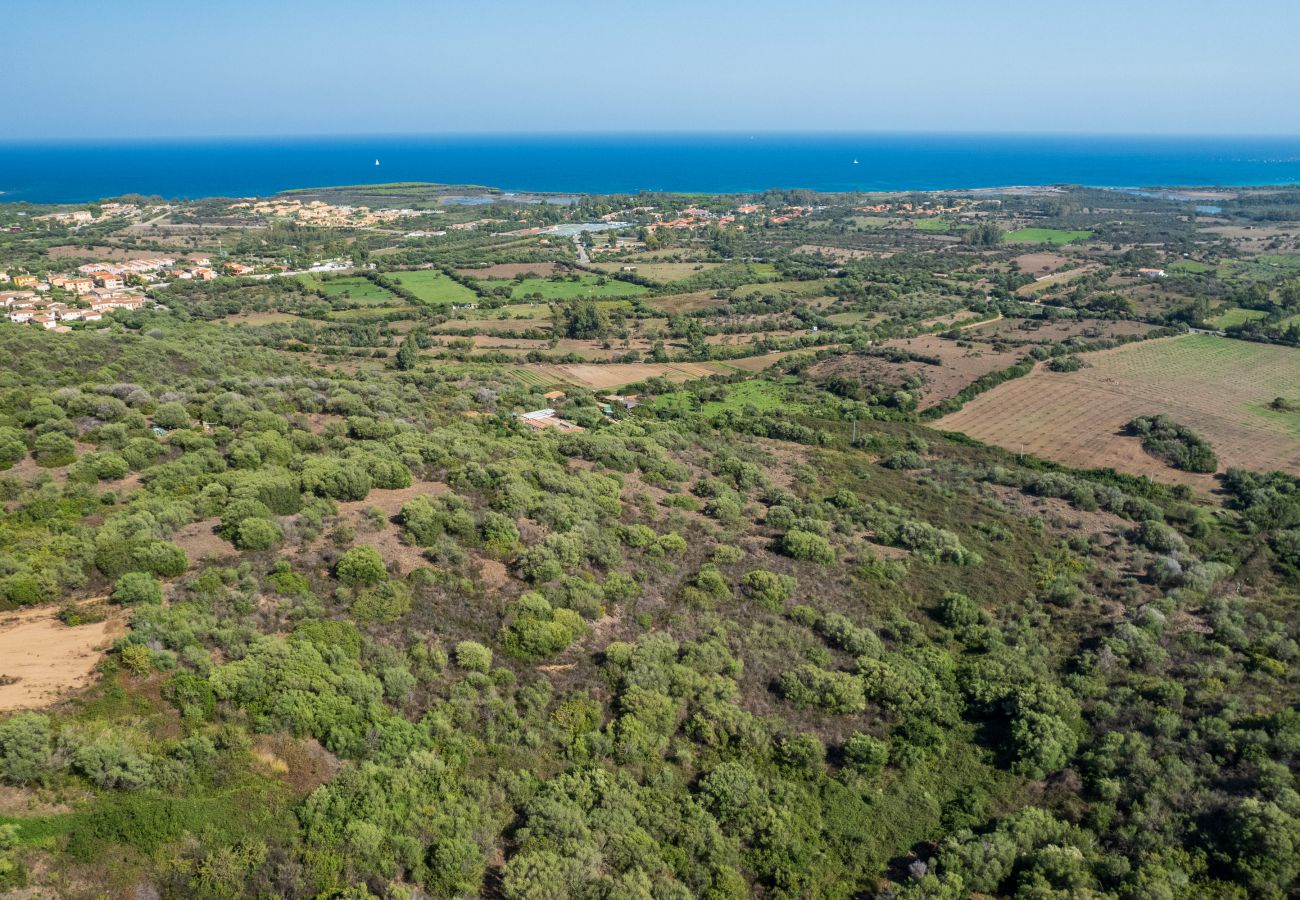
point(1218, 387)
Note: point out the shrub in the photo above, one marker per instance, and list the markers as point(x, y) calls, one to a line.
point(835, 692)
point(768, 589)
point(473, 656)
point(26, 749)
point(54, 449)
point(805, 545)
point(171, 415)
point(12, 448)
point(163, 558)
point(137, 587)
point(336, 478)
point(958, 611)
point(865, 754)
point(536, 630)
point(361, 565)
point(1174, 444)
point(258, 534)
point(386, 602)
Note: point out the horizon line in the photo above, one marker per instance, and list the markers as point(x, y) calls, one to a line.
point(647, 133)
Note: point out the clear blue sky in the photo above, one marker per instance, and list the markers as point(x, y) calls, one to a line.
point(140, 68)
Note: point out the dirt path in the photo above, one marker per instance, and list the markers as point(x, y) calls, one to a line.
point(48, 659)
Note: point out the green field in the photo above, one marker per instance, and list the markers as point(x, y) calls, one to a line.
point(938, 226)
point(852, 317)
point(661, 272)
point(1235, 316)
point(759, 393)
point(352, 287)
point(587, 286)
point(1190, 265)
point(369, 311)
point(432, 286)
point(1055, 236)
point(802, 288)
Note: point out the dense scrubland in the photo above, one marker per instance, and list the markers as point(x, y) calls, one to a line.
point(770, 627)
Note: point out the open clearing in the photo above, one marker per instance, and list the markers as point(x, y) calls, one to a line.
point(432, 286)
point(588, 286)
point(1040, 264)
point(510, 270)
point(352, 287)
point(1217, 386)
point(600, 377)
point(47, 658)
point(1235, 315)
point(1054, 236)
point(661, 272)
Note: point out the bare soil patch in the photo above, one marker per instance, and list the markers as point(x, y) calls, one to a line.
point(680, 303)
point(201, 542)
point(47, 658)
point(1036, 331)
point(616, 374)
point(511, 270)
point(961, 365)
point(1040, 264)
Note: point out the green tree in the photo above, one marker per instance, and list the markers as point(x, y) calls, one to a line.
point(361, 565)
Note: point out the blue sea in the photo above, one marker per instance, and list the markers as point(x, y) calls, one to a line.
point(81, 171)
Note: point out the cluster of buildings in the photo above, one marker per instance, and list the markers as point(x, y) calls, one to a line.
point(317, 212)
point(906, 207)
point(547, 417)
point(79, 217)
point(23, 307)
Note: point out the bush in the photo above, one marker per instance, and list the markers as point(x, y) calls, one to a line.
point(386, 602)
point(805, 545)
point(361, 565)
point(768, 589)
point(473, 656)
point(26, 749)
point(54, 449)
point(1174, 444)
point(258, 534)
point(834, 692)
point(162, 558)
point(171, 415)
point(958, 610)
point(537, 631)
point(336, 478)
point(12, 447)
point(137, 587)
point(865, 754)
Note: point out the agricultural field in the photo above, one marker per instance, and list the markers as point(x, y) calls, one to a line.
point(660, 272)
point(434, 287)
point(1046, 236)
point(351, 288)
point(1235, 316)
point(1190, 266)
point(585, 287)
point(615, 375)
point(1216, 386)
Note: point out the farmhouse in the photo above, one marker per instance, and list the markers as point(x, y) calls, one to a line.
point(1152, 273)
point(546, 418)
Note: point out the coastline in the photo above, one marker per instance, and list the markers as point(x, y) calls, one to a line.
point(85, 171)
